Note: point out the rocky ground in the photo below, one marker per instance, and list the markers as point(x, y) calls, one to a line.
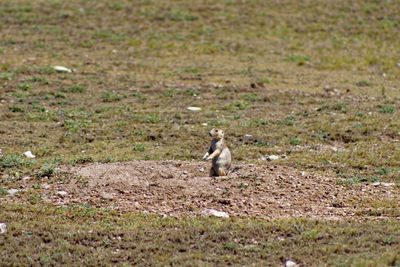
point(178, 188)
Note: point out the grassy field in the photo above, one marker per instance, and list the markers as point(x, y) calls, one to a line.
point(315, 82)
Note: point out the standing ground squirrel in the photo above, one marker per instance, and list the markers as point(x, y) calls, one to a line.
point(219, 153)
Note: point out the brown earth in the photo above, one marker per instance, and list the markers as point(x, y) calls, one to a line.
point(178, 188)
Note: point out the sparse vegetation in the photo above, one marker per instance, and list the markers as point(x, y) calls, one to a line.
point(111, 97)
point(47, 169)
point(75, 89)
point(256, 68)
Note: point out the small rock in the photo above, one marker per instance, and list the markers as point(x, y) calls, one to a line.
point(61, 193)
point(107, 195)
point(333, 148)
point(248, 136)
point(398, 64)
point(272, 157)
point(290, 263)
point(383, 75)
point(216, 213)
point(62, 69)
point(204, 124)
point(3, 228)
point(28, 154)
point(81, 10)
point(13, 191)
point(201, 169)
point(387, 184)
point(193, 108)
point(215, 85)
point(1, 153)
point(45, 186)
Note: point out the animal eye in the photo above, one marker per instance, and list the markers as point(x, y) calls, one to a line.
point(216, 131)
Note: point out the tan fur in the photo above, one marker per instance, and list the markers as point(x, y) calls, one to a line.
point(219, 154)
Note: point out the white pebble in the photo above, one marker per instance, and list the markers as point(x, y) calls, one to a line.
point(290, 263)
point(216, 213)
point(3, 228)
point(61, 69)
point(194, 108)
point(12, 191)
point(28, 154)
point(272, 157)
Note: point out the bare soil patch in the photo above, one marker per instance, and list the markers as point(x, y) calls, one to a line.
point(180, 188)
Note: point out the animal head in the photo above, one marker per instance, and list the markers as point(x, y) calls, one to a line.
point(216, 133)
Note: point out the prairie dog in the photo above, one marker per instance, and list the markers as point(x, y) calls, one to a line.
point(219, 154)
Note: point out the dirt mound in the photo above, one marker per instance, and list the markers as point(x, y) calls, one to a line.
point(177, 188)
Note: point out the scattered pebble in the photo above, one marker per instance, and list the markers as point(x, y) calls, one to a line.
point(290, 263)
point(28, 154)
point(383, 184)
point(106, 195)
point(13, 191)
point(201, 169)
point(272, 157)
point(204, 124)
point(216, 213)
point(61, 193)
point(45, 186)
point(215, 85)
point(62, 69)
point(3, 228)
point(327, 88)
point(388, 184)
point(333, 148)
point(1, 153)
point(194, 108)
point(248, 135)
point(331, 90)
point(398, 64)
